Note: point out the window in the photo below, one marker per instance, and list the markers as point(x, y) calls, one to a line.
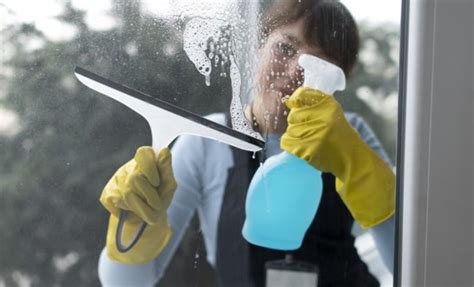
point(61, 141)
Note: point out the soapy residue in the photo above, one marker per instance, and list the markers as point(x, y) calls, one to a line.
point(196, 35)
point(219, 34)
point(239, 121)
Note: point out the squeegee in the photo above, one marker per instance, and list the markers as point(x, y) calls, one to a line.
point(166, 122)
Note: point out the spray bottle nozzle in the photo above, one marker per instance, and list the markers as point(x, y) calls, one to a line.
point(322, 75)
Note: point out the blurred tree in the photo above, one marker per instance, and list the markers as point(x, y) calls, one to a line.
point(372, 90)
point(52, 226)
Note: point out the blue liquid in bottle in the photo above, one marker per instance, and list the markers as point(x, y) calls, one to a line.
point(285, 192)
point(282, 201)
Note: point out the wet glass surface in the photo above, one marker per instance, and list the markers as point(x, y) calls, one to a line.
point(61, 141)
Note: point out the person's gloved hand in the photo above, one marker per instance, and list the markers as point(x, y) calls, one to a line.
point(319, 133)
point(144, 186)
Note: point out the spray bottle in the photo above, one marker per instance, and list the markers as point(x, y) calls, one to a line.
point(285, 192)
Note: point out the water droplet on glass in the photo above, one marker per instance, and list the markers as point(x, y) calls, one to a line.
point(266, 115)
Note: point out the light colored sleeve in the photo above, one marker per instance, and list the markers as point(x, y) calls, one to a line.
point(384, 237)
point(116, 274)
point(188, 164)
point(383, 233)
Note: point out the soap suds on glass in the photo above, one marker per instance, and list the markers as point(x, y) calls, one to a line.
point(207, 39)
point(197, 33)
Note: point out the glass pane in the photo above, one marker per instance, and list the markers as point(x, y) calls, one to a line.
point(232, 62)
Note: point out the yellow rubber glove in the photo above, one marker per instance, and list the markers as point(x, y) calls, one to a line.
point(144, 186)
point(319, 133)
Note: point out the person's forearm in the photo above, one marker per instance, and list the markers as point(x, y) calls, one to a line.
point(116, 274)
point(384, 235)
point(182, 208)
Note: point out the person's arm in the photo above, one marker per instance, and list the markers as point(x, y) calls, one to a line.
point(187, 154)
point(384, 237)
point(319, 133)
point(384, 233)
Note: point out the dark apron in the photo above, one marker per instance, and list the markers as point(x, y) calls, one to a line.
point(328, 242)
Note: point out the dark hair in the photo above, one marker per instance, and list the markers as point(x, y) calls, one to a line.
point(327, 24)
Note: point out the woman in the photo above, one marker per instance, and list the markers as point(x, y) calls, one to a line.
point(213, 178)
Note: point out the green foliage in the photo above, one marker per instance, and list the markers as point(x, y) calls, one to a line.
point(52, 226)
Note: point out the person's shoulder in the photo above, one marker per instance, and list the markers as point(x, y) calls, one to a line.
point(361, 126)
point(355, 120)
point(218, 118)
point(197, 142)
point(208, 153)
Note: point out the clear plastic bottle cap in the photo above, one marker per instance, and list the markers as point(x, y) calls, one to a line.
point(322, 75)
